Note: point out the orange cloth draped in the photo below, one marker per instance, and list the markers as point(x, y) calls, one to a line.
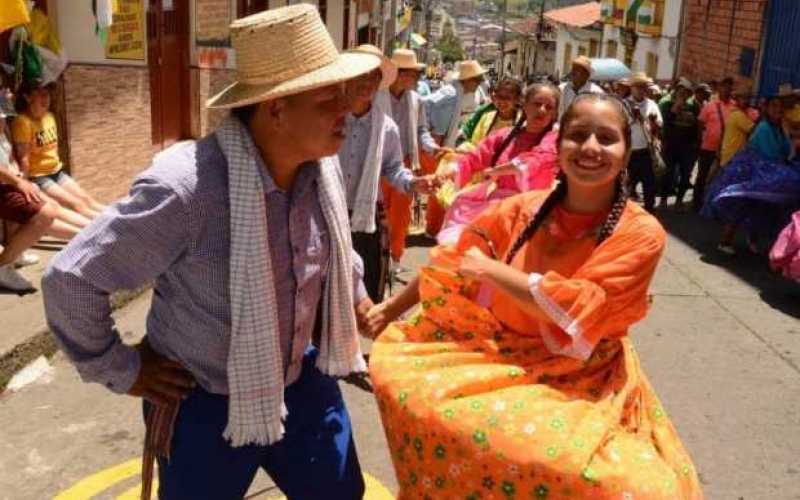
point(398, 217)
point(434, 214)
point(478, 403)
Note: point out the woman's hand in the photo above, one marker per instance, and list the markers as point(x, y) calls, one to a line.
point(476, 265)
point(426, 184)
point(378, 318)
point(500, 171)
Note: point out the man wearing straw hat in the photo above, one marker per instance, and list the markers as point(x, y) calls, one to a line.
point(451, 103)
point(408, 112)
point(646, 122)
point(245, 233)
point(371, 152)
point(579, 83)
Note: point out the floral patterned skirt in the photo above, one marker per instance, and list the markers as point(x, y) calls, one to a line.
point(472, 410)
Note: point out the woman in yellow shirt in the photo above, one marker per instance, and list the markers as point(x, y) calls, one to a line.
point(35, 136)
point(737, 129)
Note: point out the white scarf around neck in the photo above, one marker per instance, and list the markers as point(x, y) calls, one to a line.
point(366, 198)
point(455, 121)
point(255, 368)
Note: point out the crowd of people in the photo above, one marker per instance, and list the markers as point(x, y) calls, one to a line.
point(271, 240)
point(37, 197)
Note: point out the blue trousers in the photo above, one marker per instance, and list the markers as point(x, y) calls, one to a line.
point(316, 458)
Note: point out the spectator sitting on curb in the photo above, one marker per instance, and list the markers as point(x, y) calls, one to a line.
point(22, 203)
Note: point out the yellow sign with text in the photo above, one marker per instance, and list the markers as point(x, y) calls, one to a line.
point(126, 33)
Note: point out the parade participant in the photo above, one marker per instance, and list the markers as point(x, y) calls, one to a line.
point(579, 83)
point(519, 396)
point(512, 161)
point(246, 235)
point(35, 137)
point(758, 189)
point(680, 139)
point(622, 88)
point(453, 103)
point(448, 108)
point(409, 114)
point(501, 113)
point(372, 151)
point(645, 124)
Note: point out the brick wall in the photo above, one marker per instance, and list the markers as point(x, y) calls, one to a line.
point(211, 81)
point(714, 36)
point(108, 114)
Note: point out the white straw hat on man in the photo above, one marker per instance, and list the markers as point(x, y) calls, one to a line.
point(406, 59)
point(469, 69)
point(388, 68)
point(286, 51)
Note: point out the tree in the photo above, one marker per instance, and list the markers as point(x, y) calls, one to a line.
point(449, 45)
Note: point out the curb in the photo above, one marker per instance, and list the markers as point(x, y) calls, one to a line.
point(43, 343)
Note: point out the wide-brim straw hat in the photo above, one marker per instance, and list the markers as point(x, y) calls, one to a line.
point(641, 78)
point(406, 59)
point(469, 69)
point(286, 51)
point(388, 68)
point(583, 62)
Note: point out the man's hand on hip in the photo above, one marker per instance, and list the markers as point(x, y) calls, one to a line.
point(160, 380)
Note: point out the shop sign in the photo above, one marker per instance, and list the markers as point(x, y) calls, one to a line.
point(126, 33)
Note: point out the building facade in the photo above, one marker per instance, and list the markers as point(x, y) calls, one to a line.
point(143, 86)
point(757, 42)
point(645, 35)
point(579, 32)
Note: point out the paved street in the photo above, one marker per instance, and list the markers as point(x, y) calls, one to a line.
point(721, 345)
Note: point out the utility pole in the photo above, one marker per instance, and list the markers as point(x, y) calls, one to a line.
point(502, 71)
point(539, 33)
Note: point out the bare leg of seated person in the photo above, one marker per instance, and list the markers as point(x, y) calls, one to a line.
point(76, 190)
point(70, 201)
point(25, 237)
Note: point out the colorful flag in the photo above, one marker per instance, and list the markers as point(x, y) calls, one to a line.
point(13, 13)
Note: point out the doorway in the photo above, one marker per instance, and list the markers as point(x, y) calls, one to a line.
point(168, 62)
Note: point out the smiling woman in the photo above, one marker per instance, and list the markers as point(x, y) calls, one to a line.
point(517, 375)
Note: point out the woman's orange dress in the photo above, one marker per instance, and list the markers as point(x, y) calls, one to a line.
point(546, 402)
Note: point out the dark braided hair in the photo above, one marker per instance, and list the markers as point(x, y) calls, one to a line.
point(530, 91)
point(560, 192)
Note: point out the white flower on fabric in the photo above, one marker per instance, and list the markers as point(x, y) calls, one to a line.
point(427, 482)
point(529, 429)
point(499, 406)
point(627, 495)
point(455, 470)
point(513, 469)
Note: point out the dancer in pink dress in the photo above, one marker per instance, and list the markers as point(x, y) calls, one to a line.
point(507, 162)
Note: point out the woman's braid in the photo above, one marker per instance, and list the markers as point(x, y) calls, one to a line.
point(555, 197)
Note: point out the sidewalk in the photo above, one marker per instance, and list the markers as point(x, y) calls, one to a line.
point(23, 331)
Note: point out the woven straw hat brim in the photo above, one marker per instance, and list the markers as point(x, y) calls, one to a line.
point(472, 74)
point(418, 66)
point(346, 66)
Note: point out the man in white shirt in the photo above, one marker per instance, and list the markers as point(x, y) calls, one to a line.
point(579, 84)
point(453, 103)
point(645, 119)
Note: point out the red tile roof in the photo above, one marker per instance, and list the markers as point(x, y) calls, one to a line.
point(579, 16)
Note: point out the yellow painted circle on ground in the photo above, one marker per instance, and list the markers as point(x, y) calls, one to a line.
point(106, 479)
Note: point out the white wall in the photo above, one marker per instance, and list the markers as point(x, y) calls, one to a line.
point(75, 24)
point(577, 38)
point(665, 46)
